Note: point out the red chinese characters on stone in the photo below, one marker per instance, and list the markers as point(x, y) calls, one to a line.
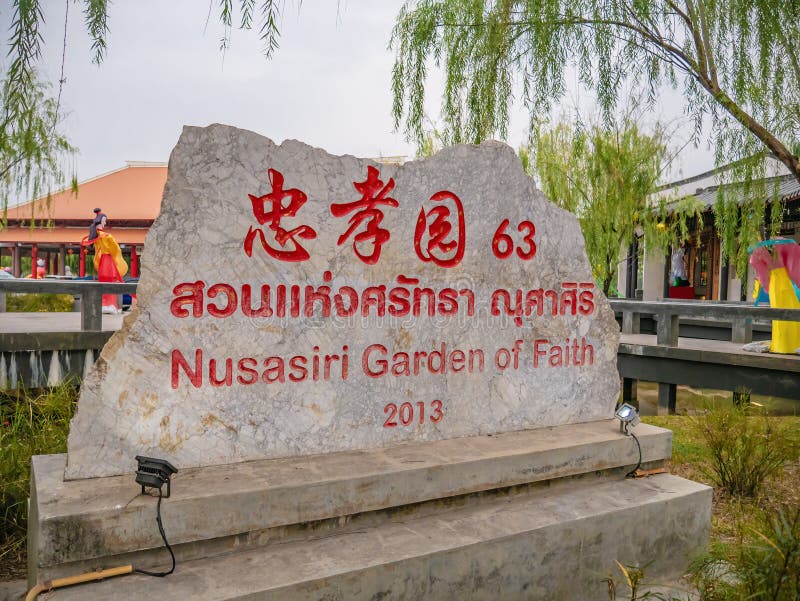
point(373, 193)
point(269, 210)
point(432, 237)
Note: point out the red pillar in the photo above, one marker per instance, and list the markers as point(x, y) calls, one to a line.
point(82, 267)
point(34, 259)
point(134, 263)
point(55, 264)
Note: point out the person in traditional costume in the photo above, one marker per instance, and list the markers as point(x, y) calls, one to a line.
point(108, 261)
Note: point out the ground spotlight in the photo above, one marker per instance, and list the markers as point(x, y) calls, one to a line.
point(628, 417)
point(154, 473)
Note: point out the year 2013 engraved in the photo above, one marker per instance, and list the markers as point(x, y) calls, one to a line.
point(408, 413)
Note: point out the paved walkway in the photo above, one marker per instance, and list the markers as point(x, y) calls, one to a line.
point(51, 322)
point(14, 590)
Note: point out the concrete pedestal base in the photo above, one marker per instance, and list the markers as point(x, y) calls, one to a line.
point(526, 515)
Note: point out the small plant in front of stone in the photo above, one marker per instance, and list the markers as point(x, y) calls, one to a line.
point(745, 447)
point(634, 579)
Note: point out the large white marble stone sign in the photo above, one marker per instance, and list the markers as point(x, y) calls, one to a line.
point(293, 302)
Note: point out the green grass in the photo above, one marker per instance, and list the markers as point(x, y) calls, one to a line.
point(687, 448)
point(692, 400)
point(39, 303)
point(30, 424)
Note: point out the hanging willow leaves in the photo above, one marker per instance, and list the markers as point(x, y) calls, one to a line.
point(736, 62)
point(33, 151)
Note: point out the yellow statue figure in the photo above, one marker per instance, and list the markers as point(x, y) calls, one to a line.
point(777, 265)
point(108, 261)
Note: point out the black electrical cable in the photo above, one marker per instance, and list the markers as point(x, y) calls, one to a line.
point(166, 544)
point(632, 473)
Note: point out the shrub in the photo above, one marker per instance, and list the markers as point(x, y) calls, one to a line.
point(39, 303)
point(741, 397)
point(765, 567)
point(745, 448)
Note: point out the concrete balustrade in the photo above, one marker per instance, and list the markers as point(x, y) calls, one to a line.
point(697, 361)
point(667, 313)
point(90, 292)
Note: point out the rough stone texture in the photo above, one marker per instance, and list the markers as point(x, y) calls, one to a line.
point(128, 405)
point(555, 544)
point(79, 525)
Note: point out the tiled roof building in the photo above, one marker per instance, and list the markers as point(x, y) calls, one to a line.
point(130, 197)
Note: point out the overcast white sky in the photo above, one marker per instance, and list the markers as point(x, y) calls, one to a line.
point(328, 85)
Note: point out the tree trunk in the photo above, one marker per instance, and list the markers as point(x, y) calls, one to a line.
point(607, 284)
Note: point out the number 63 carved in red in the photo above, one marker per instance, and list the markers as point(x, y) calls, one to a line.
point(503, 243)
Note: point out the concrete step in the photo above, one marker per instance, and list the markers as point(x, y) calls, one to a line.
point(550, 542)
point(77, 526)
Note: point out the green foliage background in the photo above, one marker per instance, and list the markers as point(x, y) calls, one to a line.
point(605, 176)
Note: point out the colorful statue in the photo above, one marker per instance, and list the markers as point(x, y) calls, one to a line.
point(108, 261)
point(777, 266)
point(678, 271)
point(41, 271)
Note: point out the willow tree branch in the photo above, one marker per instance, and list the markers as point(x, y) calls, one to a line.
point(680, 13)
point(778, 149)
point(709, 48)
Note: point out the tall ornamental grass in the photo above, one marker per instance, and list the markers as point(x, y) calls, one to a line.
point(745, 447)
point(30, 424)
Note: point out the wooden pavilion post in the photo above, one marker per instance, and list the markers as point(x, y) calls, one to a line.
point(34, 259)
point(62, 259)
point(16, 261)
